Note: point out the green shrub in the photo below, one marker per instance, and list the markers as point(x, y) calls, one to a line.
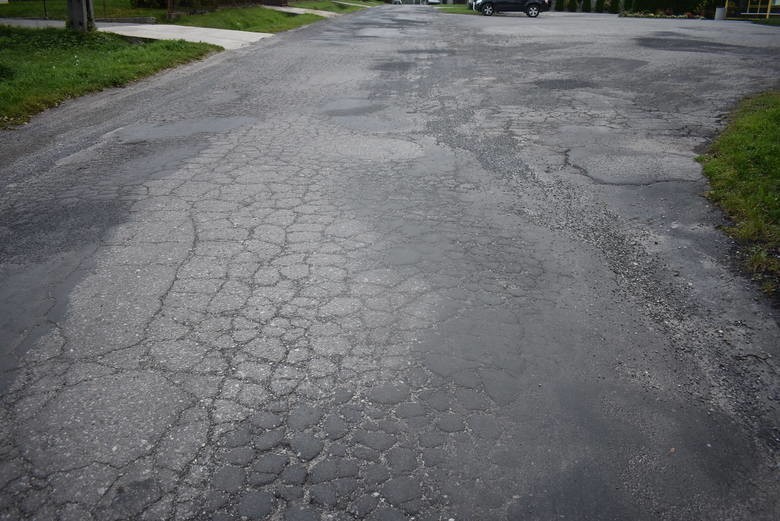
point(153, 4)
point(571, 5)
point(678, 7)
point(190, 6)
point(196, 6)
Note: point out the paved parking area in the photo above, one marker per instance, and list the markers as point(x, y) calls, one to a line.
point(396, 265)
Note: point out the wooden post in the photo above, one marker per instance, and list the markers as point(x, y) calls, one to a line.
point(768, 8)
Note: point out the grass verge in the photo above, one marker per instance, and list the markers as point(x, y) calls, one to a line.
point(457, 9)
point(327, 5)
point(743, 166)
point(770, 21)
point(40, 68)
point(254, 19)
point(57, 9)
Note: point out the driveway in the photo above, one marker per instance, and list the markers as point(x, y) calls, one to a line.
point(394, 265)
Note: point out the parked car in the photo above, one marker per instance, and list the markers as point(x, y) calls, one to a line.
point(530, 7)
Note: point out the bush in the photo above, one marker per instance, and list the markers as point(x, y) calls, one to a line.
point(149, 4)
point(196, 6)
point(190, 6)
point(571, 6)
point(678, 7)
point(585, 6)
point(614, 6)
point(599, 6)
point(560, 5)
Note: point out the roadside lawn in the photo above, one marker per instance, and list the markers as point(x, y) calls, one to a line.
point(254, 19)
point(743, 166)
point(336, 7)
point(40, 68)
point(765, 21)
point(57, 9)
point(457, 9)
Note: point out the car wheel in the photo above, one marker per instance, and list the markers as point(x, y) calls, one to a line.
point(487, 10)
point(532, 11)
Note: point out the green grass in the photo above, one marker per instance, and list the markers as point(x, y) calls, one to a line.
point(326, 5)
point(255, 19)
point(39, 68)
point(56, 9)
point(743, 166)
point(457, 9)
point(770, 21)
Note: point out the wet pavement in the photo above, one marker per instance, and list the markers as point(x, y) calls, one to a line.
point(396, 265)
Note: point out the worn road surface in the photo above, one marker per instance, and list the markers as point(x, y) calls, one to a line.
point(395, 265)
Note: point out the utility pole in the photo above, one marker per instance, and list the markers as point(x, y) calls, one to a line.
point(81, 15)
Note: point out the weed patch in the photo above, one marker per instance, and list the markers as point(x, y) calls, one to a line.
point(40, 68)
point(327, 5)
point(743, 166)
point(457, 9)
point(253, 19)
point(57, 9)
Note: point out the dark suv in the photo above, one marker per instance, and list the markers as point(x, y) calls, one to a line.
point(530, 7)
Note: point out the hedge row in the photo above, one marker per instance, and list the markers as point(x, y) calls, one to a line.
point(190, 5)
point(596, 6)
point(649, 6)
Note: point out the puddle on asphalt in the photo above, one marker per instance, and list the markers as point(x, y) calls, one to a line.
point(364, 115)
point(393, 66)
point(178, 129)
point(564, 84)
point(690, 45)
point(351, 107)
point(372, 149)
point(380, 33)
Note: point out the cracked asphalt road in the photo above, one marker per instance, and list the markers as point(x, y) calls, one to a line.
point(397, 265)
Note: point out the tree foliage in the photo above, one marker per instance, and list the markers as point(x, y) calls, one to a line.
point(671, 6)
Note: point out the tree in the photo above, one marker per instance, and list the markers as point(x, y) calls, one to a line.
point(81, 15)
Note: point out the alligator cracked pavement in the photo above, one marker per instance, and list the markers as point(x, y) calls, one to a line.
point(395, 265)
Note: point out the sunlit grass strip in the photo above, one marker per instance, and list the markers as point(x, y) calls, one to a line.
point(253, 19)
point(326, 5)
point(457, 9)
point(40, 68)
point(743, 166)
